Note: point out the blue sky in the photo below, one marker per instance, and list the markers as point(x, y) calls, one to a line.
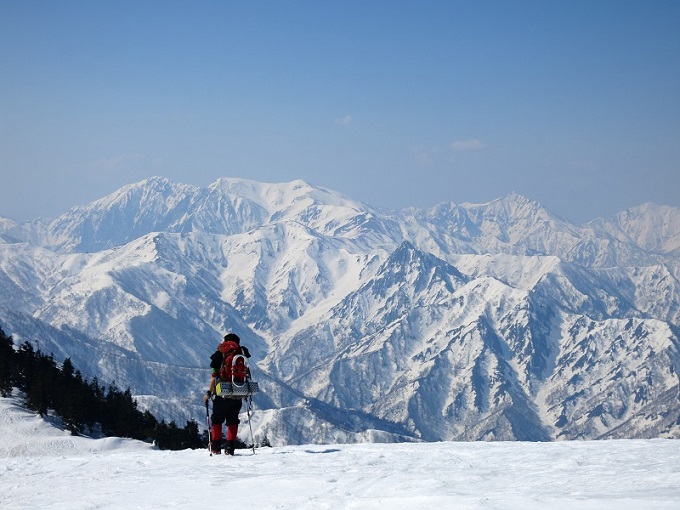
point(575, 104)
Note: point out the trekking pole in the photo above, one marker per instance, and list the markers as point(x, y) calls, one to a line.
point(250, 422)
point(207, 422)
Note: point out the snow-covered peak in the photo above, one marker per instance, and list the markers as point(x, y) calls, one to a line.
point(154, 196)
point(513, 209)
point(294, 201)
point(512, 225)
point(228, 206)
point(275, 196)
point(6, 224)
point(655, 228)
point(262, 192)
point(154, 204)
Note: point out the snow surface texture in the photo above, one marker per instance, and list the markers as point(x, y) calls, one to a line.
point(494, 321)
point(42, 467)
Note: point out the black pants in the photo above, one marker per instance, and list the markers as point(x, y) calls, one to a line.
point(226, 410)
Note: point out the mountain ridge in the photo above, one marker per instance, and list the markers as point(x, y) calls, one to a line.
point(464, 322)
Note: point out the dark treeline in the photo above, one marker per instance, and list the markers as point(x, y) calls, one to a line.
point(85, 405)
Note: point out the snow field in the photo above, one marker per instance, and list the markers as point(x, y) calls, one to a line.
point(42, 467)
point(617, 474)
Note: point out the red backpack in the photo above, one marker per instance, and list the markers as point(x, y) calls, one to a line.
point(233, 367)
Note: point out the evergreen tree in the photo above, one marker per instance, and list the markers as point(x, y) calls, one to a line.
point(83, 404)
point(7, 361)
point(38, 395)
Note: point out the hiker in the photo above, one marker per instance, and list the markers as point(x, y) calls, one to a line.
point(224, 409)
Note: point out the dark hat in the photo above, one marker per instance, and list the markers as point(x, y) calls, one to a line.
point(232, 337)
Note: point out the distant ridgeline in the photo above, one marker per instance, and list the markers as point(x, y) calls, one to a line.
point(85, 406)
point(461, 322)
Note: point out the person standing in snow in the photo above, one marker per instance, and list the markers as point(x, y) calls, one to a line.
point(225, 410)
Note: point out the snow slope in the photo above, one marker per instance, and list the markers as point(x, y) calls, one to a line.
point(42, 467)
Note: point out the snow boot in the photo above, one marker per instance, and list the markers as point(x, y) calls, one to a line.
point(229, 448)
point(216, 439)
point(232, 431)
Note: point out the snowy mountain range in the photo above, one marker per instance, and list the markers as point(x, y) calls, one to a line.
point(461, 322)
